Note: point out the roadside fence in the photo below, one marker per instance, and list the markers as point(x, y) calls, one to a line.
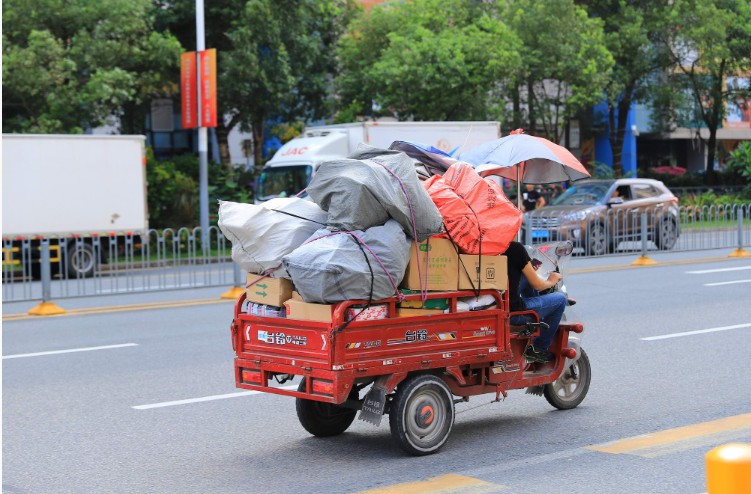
point(54, 268)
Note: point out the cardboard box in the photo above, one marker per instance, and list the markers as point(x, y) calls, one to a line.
point(433, 303)
point(442, 266)
point(268, 291)
point(488, 272)
point(402, 312)
point(297, 309)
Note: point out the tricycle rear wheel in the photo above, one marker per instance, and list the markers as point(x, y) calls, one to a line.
point(323, 419)
point(572, 385)
point(422, 414)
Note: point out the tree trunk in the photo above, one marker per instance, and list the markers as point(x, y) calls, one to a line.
point(532, 127)
point(222, 138)
point(258, 134)
point(517, 107)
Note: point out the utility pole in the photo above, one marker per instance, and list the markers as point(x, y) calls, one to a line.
point(203, 140)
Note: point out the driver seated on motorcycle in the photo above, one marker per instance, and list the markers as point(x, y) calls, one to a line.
point(549, 307)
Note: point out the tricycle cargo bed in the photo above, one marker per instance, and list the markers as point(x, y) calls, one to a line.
point(268, 345)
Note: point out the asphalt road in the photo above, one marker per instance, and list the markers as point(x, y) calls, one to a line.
point(140, 398)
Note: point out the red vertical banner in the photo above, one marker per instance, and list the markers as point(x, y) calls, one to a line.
point(208, 88)
point(188, 90)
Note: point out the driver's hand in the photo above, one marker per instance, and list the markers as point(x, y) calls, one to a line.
point(554, 277)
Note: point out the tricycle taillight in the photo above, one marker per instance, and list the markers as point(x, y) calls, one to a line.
point(323, 387)
point(251, 376)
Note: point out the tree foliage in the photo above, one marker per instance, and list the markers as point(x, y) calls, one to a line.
point(275, 58)
point(69, 65)
point(707, 41)
point(563, 73)
point(630, 30)
point(425, 60)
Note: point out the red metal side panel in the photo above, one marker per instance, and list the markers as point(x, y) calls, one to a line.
point(284, 341)
point(409, 343)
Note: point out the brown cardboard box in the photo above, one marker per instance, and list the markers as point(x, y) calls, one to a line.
point(268, 291)
point(403, 312)
point(297, 309)
point(493, 272)
point(442, 266)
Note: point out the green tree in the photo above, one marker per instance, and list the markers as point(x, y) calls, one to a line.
point(709, 40)
point(425, 60)
point(275, 58)
point(567, 64)
point(69, 65)
point(630, 28)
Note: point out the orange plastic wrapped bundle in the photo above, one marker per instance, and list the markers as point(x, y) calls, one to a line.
point(477, 214)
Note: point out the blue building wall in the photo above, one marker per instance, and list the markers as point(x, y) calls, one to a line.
point(603, 150)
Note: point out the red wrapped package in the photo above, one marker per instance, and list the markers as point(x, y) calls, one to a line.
point(478, 216)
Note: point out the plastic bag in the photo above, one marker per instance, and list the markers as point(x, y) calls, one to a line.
point(261, 234)
point(478, 216)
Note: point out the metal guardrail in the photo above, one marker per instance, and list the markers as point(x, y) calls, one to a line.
point(116, 263)
point(174, 259)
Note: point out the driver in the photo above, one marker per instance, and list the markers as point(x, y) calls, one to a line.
point(549, 307)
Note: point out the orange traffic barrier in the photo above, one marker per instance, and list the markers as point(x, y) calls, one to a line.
point(729, 469)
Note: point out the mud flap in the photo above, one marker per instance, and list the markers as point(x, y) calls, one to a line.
point(374, 402)
point(535, 390)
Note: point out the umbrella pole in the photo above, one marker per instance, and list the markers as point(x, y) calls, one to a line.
point(518, 200)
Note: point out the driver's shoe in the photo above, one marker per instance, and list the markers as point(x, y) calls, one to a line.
point(534, 355)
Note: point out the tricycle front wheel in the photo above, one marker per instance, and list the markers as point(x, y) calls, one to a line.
point(422, 414)
point(572, 385)
point(323, 419)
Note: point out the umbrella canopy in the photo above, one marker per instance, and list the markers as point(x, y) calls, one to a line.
point(525, 158)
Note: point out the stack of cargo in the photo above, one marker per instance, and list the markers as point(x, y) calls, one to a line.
point(370, 231)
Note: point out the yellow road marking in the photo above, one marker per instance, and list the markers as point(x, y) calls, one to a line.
point(681, 438)
point(122, 308)
point(445, 484)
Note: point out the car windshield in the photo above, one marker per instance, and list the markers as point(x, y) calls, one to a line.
point(583, 195)
point(283, 181)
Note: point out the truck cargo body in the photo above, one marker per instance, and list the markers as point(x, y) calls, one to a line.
point(72, 187)
point(293, 165)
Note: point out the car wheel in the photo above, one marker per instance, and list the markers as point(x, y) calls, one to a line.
point(323, 419)
point(598, 243)
point(666, 233)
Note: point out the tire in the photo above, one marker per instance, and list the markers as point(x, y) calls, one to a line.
point(82, 261)
point(422, 414)
point(323, 419)
point(666, 233)
point(598, 243)
point(572, 385)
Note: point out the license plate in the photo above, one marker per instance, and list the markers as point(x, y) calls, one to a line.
point(539, 234)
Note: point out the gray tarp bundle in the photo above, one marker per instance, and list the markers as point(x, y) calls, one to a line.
point(363, 191)
point(261, 234)
point(334, 268)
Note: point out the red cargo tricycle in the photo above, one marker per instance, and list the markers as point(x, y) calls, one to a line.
point(414, 369)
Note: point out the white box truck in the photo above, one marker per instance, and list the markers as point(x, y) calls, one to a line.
point(71, 189)
point(290, 169)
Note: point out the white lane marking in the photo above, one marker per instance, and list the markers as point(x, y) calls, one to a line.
point(204, 398)
point(722, 270)
point(701, 331)
point(727, 283)
point(73, 350)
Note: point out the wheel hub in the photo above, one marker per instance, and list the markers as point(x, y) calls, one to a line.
point(424, 415)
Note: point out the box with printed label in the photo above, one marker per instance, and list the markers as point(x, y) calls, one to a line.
point(437, 262)
point(268, 291)
point(488, 272)
point(298, 309)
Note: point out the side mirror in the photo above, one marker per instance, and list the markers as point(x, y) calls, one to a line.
point(615, 200)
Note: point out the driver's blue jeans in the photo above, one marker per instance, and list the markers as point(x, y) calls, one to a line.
point(550, 309)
